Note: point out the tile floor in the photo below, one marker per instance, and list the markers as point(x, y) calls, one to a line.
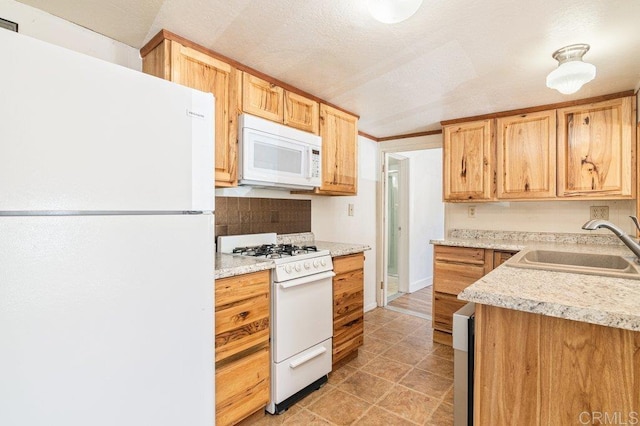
point(400, 377)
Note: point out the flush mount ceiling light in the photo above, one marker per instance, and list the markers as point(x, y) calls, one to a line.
point(393, 11)
point(572, 72)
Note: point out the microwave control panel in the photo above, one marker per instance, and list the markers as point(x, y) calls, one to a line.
point(315, 163)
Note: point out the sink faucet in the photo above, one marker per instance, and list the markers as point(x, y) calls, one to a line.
point(627, 240)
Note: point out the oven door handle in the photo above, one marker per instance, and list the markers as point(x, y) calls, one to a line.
point(308, 357)
point(306, 280)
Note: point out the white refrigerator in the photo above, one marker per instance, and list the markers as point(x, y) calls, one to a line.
point(106, 243)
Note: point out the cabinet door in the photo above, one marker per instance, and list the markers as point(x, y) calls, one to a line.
point(261, 98)
point(468, 161)
point(339, 132)
point(526, 146)
point(596, 150)
point(301, 113)
point(199, 71)
point(348, 306)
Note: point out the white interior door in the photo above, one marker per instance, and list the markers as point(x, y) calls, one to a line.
point(106, 320)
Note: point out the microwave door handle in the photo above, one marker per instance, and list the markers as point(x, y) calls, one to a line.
point(309, 162)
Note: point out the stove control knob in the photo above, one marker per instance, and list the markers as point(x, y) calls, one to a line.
point(323, 262)
point(316, 263)
point(307, 265)
point(298, 267)
point(287, 269)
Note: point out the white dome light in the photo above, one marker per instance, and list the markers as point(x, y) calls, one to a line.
point(393, 11)
point(572, 73)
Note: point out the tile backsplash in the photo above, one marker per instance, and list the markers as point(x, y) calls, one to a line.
point(244, 215)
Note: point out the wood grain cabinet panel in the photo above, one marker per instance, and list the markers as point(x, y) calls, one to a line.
point(242, 320)
point(526, 156)
point(339, 132)
point(261, 98)
point(454, 269)
point(348, 306)
point(183, 65)
point(469, 157)
point(596, 150)
point(538, 370)
point(301, 113)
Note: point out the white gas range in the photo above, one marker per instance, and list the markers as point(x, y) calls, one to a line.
point(301, 314)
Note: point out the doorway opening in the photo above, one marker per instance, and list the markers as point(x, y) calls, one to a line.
point(413, 215)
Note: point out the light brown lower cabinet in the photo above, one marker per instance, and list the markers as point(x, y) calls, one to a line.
point(454, 269)
point(538, 370)
point(348, 307)
point(242, 346)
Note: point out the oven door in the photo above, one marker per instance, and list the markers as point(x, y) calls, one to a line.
point(274, 160)
point(302, 314)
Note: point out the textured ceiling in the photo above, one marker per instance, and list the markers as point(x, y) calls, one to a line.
point(453, 58)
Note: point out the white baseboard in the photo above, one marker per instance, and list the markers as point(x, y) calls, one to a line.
point(370, 307)
point(420, 284)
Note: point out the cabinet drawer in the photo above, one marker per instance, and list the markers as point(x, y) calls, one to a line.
point(499, 257)
point(344, 264)
point(459, 254)
point(452, 278)
point(241, 325)
point(444, 307)
point(233, 289)
point(242, 387)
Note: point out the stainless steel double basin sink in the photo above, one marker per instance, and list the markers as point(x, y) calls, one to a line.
point(606, 265)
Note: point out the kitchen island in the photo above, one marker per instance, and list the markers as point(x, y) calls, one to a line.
point(556, 348)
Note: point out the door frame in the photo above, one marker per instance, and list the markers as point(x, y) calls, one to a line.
point(403, 224)
point(389, 147)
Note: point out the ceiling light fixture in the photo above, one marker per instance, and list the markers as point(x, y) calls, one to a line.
point(393, 11)
point(572, 72)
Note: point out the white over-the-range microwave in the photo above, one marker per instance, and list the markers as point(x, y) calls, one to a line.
point(276, 156)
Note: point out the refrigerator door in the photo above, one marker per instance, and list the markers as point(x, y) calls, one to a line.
point(106, 320)
point(81, 134)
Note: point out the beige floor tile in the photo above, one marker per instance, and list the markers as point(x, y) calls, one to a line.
point(373, 345)
point(419, 342)
point(306, 418)
point(387, 335)
point(404, 327)
point(339, 407)
point(365, 386)
point(363, 358)
point(376, 416)
point(266, 419)
point(443, 416)
point(404, 354)
point(387, 369)
point(437, 365)
point(337, 376)
point(314, 396)
point(409, 404)
point(427, 383)
point(448, 397)
point(443, 351)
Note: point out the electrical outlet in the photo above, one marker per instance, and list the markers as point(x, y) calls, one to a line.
point(471, 212)
point(350, 210)
point(599, 212)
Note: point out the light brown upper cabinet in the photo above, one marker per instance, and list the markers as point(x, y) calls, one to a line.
point(301, 113)
point(596, 150)
point(270, 101)
point(183, 65)
point(339, 132)
point(526, 146)
point(468, 161)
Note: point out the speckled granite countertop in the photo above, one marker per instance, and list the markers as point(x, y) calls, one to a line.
point(612, 302)
point(228, 265)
